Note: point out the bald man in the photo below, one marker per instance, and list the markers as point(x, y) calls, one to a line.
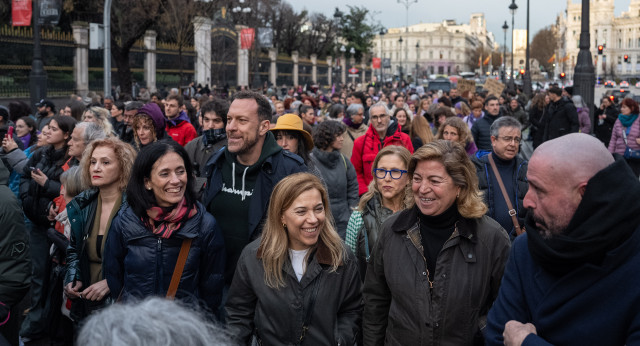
point(574, 279)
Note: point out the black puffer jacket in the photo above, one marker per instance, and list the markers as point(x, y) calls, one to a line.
point(373, 216)
point(276, 315)
point(561, 119)
point(36, 198)
point(138, 263)
point(481, 130)
point(603, 131)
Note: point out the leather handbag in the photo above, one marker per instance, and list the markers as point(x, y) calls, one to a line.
point(628, 152)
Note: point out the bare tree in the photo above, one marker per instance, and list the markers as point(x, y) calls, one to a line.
point(543, 46)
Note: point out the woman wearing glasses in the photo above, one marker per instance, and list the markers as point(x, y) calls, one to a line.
point(436, 267)
point(388, 193)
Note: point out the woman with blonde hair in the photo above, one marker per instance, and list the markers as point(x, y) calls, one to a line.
point(420, 132)
point(388, 193)
point(105, 166)
point(456, 130)
point(436, 268)
point(100, 116)
point(298, 271)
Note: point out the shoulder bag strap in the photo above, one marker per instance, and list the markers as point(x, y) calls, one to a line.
point(312, 303)
point(177, 271)
point(512, 211)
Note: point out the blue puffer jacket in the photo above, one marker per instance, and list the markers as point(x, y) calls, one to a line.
point(138, 264)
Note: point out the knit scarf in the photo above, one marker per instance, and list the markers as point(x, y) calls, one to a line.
point(169, 221)
point(350, 123)
point(607, 216)
point(627, 120)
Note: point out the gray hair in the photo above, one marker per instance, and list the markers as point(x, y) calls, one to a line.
point(353, 109)
point(505, 121)
point(92, 131)
point(154, 321)
point(133, 105)
point(72, 181)
point(578, 102)
point(379, 105)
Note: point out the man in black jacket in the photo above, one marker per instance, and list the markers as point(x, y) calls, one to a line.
point(242, 176)
point(563, 116)
point(481, 129)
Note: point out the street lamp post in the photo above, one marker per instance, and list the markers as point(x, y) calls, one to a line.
point(400, 41)
point(38, 76)
point(343, 72)
point(584, 75)
point(526, 79)
point(382, 33)
point(240, 9)
point(505, 27)
point(352, 61)
point(417, 50)
point(407, 4)
point(337, 16)
point(512, 8)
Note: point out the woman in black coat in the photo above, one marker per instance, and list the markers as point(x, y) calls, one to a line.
point(607, 115)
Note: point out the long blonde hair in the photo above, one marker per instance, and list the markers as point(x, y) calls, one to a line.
point(405, 156)
point(458, 165)
point(420, 128)
point(274, 244)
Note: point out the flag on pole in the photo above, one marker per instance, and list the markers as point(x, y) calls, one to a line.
point(552, 59)
point(246, 38)
point(566, 58)
point(480, 61)
point(486, 61)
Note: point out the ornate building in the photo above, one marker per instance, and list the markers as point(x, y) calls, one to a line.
point(620, 36)
point(433, 48)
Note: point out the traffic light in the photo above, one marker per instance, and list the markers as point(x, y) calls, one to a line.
point(626, 58)
point(562, 75)
point(600, 49)
point(522, 71)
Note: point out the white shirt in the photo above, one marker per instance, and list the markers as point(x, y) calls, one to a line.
point(298, 262)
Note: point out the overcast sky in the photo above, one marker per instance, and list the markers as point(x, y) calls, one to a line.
point(392, 14)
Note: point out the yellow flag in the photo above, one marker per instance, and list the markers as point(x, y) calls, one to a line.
point(486, 61)
point(552, 59)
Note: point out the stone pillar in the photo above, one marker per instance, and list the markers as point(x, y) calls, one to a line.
point(202, 42)
point(150, 60)
point(314, 68)
point(295, 57)
point(273, 69)
point(343, 69)
point(81, 60)
point(363, 64)
point(330, 70)
point(243, 60)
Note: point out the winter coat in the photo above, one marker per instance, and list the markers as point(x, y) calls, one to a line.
point(401, 308)
point(342, 185)
point(181, 130)
point(481, 130)
point(373, 216)
point(520, 115)
point(490, 193)
point(603, 131)
point(617, 144)
point(366, 148)
point(199, 155)
point(274, 169)
point(537, 117)
point(17, 160)
point(15, 263)
point(138, 263)
point(81, 212)
point(276, 315)
point(561, 119)
point(36, 198)
point(349, 138)
point(584, 119)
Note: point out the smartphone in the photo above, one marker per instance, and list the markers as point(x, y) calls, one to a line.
point(10, 132)
point(33, 169)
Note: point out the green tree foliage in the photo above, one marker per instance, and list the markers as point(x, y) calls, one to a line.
point(357, 32)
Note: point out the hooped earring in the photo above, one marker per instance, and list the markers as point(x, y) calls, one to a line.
point(284, 225)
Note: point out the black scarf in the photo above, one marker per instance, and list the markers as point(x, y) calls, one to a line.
point(606, 217)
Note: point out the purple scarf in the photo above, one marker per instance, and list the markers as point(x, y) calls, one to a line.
point(25, 140)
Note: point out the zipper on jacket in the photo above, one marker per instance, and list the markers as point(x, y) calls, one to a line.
point(158, 266)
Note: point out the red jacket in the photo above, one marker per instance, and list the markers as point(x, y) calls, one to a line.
point(365, 149)
point(182, 133)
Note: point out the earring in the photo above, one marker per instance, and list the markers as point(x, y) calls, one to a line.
point(149, 188)
point(284, 225)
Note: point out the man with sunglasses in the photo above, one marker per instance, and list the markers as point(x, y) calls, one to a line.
point(506, 136)
point(383, 131)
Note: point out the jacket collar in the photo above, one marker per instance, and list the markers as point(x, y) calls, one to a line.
point(322, 254)
point(409, 217)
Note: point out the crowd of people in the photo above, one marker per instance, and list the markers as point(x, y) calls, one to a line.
point(383, 216)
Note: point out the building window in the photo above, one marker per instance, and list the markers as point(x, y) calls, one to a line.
point(430, 54)
point(619, 43)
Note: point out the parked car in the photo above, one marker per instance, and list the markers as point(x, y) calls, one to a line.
point(439, 84)
point(617, 94)
point(609, 84)
point(624, 84)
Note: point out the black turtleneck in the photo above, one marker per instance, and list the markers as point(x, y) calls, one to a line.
point(435, 231)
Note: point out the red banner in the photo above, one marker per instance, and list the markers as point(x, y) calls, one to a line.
point(376, 63)
point(246, 38)
point(21, 12)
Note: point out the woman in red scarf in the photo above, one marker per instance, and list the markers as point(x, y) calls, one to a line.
point(160, 220)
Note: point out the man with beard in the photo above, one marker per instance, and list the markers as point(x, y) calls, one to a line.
point(382, 132)
point(130, 111)
point(573, 280)
point(46, 111)
point(243, 174)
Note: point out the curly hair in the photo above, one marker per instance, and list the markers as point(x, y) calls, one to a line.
point(464, 134)
point(326, 132)
point(124, 153)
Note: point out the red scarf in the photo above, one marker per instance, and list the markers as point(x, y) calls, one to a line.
point(171, 221)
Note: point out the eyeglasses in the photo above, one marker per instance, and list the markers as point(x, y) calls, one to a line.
point(379, 117)
point(509, 139)
point(395, 173)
